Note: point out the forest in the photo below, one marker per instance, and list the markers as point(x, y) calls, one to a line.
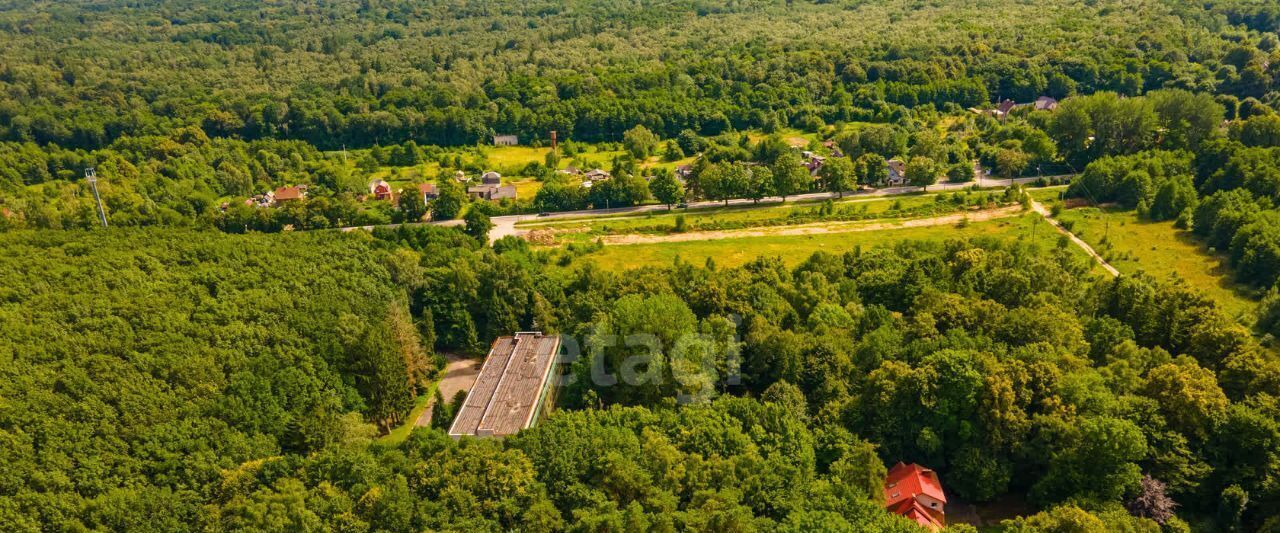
point(213, 363)
point(186, 109)
point(195, 380)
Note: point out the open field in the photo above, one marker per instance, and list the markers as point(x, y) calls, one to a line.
point(793, 249)
point(738, 215)
point(1134, 245)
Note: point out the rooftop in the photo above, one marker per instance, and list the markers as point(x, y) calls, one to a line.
point(511, 387)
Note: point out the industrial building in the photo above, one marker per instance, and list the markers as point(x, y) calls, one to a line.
point(513, 387)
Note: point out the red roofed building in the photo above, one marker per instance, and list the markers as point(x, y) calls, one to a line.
point(915, 492)
point(380, 190)
point(289, 194)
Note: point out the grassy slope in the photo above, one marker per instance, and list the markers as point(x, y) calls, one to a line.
point(794, 249)
point(1133, 245)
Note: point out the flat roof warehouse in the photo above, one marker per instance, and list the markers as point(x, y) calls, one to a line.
point(512, 387)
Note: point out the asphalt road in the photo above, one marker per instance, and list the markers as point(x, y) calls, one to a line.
point(506, 225)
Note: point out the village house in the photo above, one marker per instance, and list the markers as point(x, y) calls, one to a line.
point(460, 177)
point(505, 140)
point(267, 199)
point(380, 190)
point(897, 171)
point(916, 493)
point(814, 163)
point(491, 178)
point(1007, 106)
point(570, 170)
point(596, 175)
point(1045, 103)
point(429, 191)
point(683, 172)
point(492, 192)
point(289, 194)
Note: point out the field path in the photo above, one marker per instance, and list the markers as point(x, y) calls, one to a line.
point(1044, 212)
point(817, 228)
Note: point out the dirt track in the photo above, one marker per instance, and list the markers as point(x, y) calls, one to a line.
point(459, 374)
point(817, 228)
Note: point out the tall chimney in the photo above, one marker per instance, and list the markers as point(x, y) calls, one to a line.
point(553, 140)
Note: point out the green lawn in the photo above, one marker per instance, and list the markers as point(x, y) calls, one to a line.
point(794, 249)
point(1131, 245)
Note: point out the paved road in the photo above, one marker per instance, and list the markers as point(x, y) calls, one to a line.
point(506, 225)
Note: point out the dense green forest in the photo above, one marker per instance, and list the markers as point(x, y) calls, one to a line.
point(186, 380)
point(187, 108)
point(196, 367)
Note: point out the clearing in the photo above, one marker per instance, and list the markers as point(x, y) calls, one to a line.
point(1133, 245)
point(793, 249)
point(818, 228)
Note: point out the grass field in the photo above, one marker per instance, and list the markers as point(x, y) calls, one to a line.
point(1131, 245)
point(794, 249)
point(746, 215)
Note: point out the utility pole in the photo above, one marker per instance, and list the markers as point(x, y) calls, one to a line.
point(92, 177)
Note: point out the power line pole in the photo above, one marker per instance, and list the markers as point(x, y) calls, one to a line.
point(92, 177)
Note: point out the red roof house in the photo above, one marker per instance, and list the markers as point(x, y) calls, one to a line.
point(915, 492)
point(289, 194)
point(380, 190)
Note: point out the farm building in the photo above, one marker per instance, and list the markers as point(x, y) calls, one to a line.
point(514, 387)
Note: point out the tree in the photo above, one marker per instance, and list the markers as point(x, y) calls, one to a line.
point(771, 148)
point(871, 169)
point(1186, 118)
point(884, 139)
point(723, 181)
point(552, 159)
point(759, 183)
point(1175, 197)
point(666, 188)
point(441, 412)
point(690, 143)
point(790, 176)
point(1010, 162)
point(1152, 502)
point(838, 175)
point(1097, 460)
point(672, 152)
point(411, 204)
point(639, 141)
point(478, 225)
point(451, 197)
point(921, 172)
